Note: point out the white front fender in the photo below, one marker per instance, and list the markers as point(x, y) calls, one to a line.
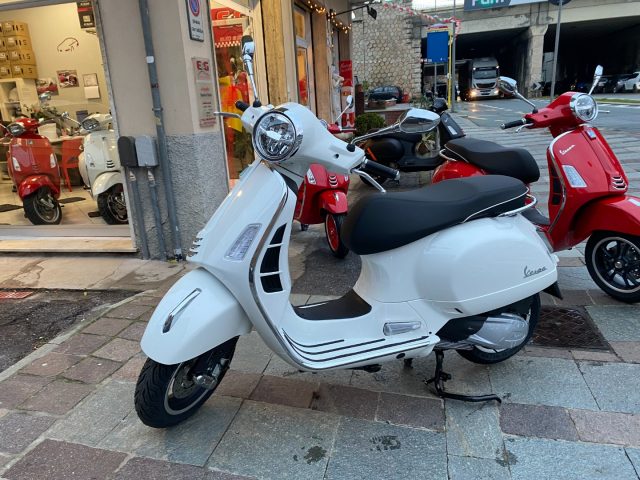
point(197, 314)
point(105, 181)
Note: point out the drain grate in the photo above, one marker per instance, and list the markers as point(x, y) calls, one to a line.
point(15, 294)
point(567, 327)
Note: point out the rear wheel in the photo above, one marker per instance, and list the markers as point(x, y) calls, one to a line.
point(112, 206)
point(613, 261)
point(487, 356)
point(332, 228)
point(41, 208)
point(168, 394)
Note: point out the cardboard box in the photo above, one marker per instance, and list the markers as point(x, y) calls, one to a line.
point(24, 71)
point(5, 71)
point(11, 28)
point(20, 57)
point(17, 42)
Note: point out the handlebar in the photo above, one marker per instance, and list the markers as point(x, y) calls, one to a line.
point(515, 123)
point(378, 169)
point(242, 106)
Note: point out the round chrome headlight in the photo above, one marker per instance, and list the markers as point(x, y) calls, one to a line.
point(275, 137)
point(90, 124)
point(584, 107)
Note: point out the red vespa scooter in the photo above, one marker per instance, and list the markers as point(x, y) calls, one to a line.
point(322, 198)
point(587, 197)
point(35, 173)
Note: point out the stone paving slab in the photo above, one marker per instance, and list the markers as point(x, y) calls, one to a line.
point(118, 350)
point(91, 370)
point(607, 427)
point(82, 344)
point(617, 323)
point(128, 311)
point(133, 331)
point(238, 384)
point(634, 457)
point(628, 351)
point(285, 443)
point(65, 461)
point(58, 397)
point(348, 401)
point(473, 429)
point(96, 416)
point(537, 421)
point(146, 468)
point(280, 368)
point(411, 411)
point(18, 430)
point(534, 459)
point(51, 364)
point(251, 354)
point(613, 384)
point(16, 389)
point(374, 450)
point(284, 391)
point(469, 468)
point(107, 326)
point(190, 442)
point(542, 381)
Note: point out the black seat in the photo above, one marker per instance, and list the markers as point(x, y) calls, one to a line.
point(495, 159)
point(381, 222)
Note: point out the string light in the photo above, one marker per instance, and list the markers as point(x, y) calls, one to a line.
point(425, 16)
point(331, 16)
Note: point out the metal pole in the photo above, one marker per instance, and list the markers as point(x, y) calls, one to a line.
point(139, 217)
point(162, 136)
point(555, 51)
point(435, 80)
point(453, 62)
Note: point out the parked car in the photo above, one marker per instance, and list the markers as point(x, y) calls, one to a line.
point(620, 83)
point(386, 92)
point(607, 84)
point(632, 83)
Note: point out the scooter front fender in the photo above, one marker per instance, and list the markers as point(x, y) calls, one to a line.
point(197, 314)
point(614, 214)
point(105, 181)
point(334, 201)
point(36, 182)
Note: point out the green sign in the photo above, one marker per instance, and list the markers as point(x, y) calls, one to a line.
point(485, 4)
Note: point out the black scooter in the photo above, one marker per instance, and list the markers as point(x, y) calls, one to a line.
point(411, 152)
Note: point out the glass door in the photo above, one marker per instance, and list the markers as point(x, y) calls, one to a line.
point(304, 58)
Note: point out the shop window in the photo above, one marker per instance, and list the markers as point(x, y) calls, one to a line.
point(304, 58)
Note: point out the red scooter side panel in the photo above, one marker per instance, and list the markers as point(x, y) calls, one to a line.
point(617, 214)
point(318, 182)
point(34, 183)
point(333, 201)
point(454, 169)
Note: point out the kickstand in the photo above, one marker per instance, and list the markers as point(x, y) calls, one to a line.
point(440, 377)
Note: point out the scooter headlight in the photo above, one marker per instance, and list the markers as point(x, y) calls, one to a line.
point(584, 107)
point(16, 129)
point(52, 161)
point(90, 124)
point(275, 137)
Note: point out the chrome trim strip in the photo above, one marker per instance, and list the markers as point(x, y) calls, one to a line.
point(448, 158)
point(168, 323)
point(316, 345)
point(345, 347)
point(533, 203)
point(560, 173)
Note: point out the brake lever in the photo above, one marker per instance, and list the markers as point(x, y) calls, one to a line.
point(364, 174)
point(519, 129)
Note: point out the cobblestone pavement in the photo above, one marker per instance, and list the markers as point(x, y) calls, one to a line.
point(66, 411)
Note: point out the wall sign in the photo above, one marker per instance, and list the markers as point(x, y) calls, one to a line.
point(85, 14)
point(196, 19)
point(204, 91)
point(485, 4)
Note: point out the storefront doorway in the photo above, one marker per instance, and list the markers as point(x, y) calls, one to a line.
point(304, 58)
point(230, 22)
point(52, 77)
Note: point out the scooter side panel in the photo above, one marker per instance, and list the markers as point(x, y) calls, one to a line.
point(204, 314)
point(615, 214)
point(34, 183)
point(105, 181)
point(474, 267)
point(333, 201)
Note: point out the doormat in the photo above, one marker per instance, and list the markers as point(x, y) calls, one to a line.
point(71, 200)
point(7, 207)
point(93, 214)
point(567, 327)
point(14, 294)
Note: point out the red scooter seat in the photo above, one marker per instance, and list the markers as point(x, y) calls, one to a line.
point(381, 222)
point(494, 159)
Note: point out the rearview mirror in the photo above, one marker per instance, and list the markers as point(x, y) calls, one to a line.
point(248, 46)
point(417, 120)
point(508, 85)
point(598, 72)
point(44, 98)
point(597, 75)
point(350, 101)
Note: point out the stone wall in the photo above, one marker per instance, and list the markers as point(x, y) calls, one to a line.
point(386, 51)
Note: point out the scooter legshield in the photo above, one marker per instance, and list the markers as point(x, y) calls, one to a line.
point(35, 183)
point(334, 201)
point(197, 314)
point(105, 181)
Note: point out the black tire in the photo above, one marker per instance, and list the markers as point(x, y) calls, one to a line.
point(634, 89)
point(332, 228)
point(41, 208)
point(486, 357)
point(613, 261)
point(158, 405)
point(112, 206)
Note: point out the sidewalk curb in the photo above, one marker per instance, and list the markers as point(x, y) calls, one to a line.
point(54, 342)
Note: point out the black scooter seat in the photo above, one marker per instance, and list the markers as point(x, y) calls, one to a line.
point(384, 221)
point(494, 159)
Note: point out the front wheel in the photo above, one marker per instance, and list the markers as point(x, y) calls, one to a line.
point(169, 394)
point(112, 206)
point(613, 261)
point(486, 356)
point(332, 228)
point(41, 208)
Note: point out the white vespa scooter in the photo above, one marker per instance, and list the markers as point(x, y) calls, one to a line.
point(100, 168)
point(453, 266)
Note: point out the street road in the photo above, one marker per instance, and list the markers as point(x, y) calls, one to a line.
point(491, 113)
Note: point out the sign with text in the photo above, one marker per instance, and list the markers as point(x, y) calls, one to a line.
point(345, 67)
point(196, 19)
point(85, 14)
point(485, 4)
point(437, 45)
point(204, 91)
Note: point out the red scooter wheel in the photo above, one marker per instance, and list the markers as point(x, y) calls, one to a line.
point(332, 227)
point(41, 208)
